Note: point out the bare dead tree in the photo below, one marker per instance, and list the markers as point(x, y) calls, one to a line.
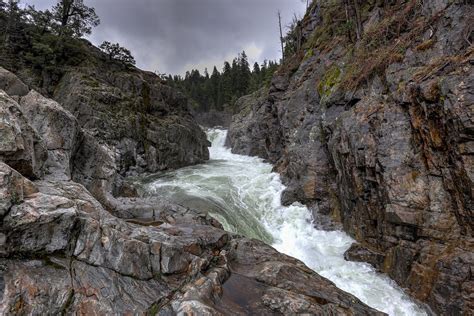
point(358, 22)
point(353, 18)
point(281, 37)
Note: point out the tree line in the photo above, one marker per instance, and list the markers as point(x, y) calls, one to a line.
point(219, 90)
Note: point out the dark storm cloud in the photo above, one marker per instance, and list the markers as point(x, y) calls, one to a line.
point(171, 36)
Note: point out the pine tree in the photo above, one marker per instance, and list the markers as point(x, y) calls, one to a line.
point(74, 18)
point(263, 71)
point(255, 78)
point(243, 75)
point(235, 85)
point(14, 18)
point(13, 37)
point(227, 83)
point(215, 87)
point(256, 69)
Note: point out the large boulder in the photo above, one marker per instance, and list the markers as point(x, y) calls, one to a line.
point(13, 189)
point(20, 145)
point(11, 84)
point(59, 130)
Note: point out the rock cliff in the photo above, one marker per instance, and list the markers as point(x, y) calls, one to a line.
point(377, 131)
point(73, 240)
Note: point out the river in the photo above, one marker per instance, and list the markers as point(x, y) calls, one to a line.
point(244, 195)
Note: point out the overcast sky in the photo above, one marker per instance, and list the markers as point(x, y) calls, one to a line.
point(172, 36)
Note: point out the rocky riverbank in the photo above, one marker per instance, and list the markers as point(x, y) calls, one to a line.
point(75, 240)
point(377, 133)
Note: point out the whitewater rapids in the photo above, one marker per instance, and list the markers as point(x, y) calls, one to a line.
point(244, 195)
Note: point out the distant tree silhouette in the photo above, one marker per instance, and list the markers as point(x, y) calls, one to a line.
point(116, 52)
point(220, 90)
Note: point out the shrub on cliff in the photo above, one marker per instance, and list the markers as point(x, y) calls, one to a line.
point(117, 52)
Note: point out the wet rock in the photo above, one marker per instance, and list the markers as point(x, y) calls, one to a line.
point(360, 253)
point(251, 277)
point(297, 289)
point(52, 219)
point(249, 133)
point(59, 286)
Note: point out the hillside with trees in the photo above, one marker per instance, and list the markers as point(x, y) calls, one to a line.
point(45, 43)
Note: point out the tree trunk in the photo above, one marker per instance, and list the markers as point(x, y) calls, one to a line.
point(358, 22)
point(281, 37)
point(348, 19)
point(66, 13)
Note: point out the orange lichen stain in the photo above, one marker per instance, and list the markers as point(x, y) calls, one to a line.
point(32, 290)
point(414, 175)
point(421, 281)
point(18, 306)
point(309, 188)
point(388, 262)
point(200, 281)
point(436, 138)
point(88, 308)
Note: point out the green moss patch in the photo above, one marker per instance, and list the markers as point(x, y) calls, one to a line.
point(330, 79)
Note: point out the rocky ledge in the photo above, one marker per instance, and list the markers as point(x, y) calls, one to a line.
point(378, 133)
point(71, 242)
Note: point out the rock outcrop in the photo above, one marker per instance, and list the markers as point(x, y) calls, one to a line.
point(20, 145)
point(69, 244)
point(58, 128)
point(378, 134)
point(145, 122)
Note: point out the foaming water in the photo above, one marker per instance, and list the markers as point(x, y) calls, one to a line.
point(244, 195)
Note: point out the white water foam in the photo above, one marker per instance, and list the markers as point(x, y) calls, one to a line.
point(246, 195)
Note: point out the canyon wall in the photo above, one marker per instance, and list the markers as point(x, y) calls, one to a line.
point(376, 130)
